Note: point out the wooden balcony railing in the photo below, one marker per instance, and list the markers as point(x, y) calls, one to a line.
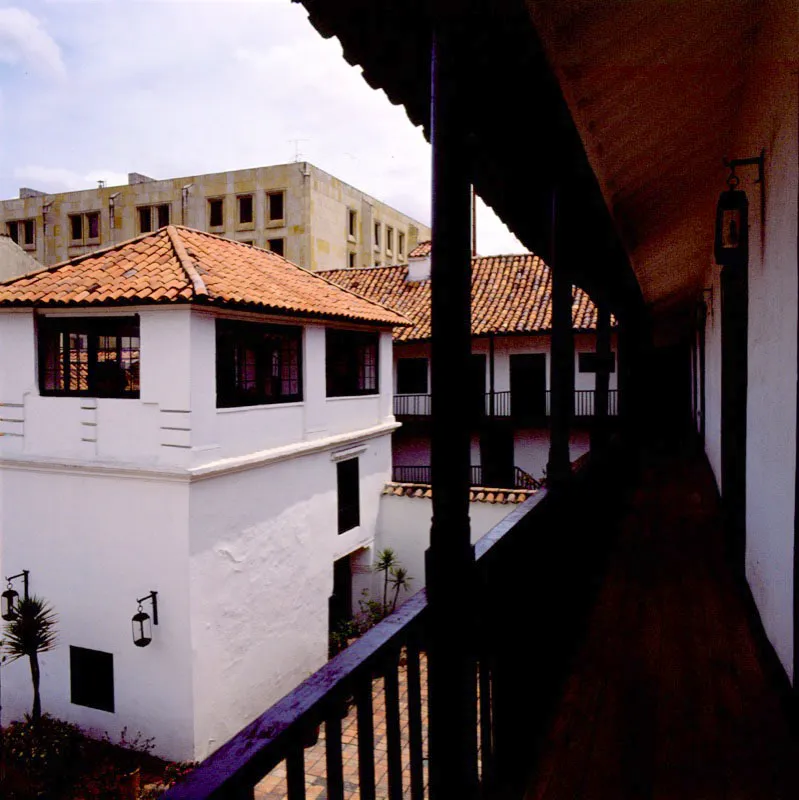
point(505, 405)
point(422, 474)
point(540, 564)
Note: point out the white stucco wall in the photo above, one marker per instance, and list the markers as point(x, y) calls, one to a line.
point(768, 119)
point(263, 543)
point(95, 543)
point(404, 525)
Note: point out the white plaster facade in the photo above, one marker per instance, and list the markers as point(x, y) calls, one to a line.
point(767, 118)
point(230, 514)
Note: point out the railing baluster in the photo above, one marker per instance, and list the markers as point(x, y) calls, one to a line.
point(393, 741)
point(486, 724)
point(366, 738)
point(415, 742)
point(334, 762)
point(295, 774)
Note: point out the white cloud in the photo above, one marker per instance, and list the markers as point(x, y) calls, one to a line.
point(23, 41)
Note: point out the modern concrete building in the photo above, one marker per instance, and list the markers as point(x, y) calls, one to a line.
point(296, 210)
point(191, 416)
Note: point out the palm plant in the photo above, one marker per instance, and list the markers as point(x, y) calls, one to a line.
point(399, 580)
point(386, 561)
point(31, 632)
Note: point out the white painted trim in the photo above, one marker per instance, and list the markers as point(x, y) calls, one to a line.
point(347, 453)
point(212, 469)
point(237, 409)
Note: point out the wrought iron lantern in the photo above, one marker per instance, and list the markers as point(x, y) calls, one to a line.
point(732, 215)
point(9, 600)
point(142, 624)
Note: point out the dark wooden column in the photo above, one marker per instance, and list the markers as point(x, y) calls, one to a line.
point(561, 365)
point(599, 430)
point(450, 558)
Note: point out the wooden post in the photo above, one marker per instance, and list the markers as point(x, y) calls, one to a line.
point(599, 430)
point(452, 674)
point(561, 365)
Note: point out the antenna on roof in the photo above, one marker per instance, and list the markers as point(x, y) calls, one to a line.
point(101, 184)
point(298, 156)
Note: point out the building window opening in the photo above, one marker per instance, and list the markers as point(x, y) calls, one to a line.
point(89, 357)
point(412, 376)
point(277, 246)
point(349, 502)
point(216, 213)
point(275, 206)
point(257, 364)
point(351, 362)
point(91, 676)
point(245, 209)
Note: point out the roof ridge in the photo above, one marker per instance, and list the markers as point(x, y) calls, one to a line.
point(362, 269)
point(200, 289)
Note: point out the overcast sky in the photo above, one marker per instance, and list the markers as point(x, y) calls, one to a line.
point(93, 89)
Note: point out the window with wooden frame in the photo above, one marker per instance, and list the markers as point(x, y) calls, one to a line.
point(351, 366)
point(89, 357)
point(257, 364)
point(23, 232)
point(349, 496)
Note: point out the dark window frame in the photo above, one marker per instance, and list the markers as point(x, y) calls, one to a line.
point(258, 364)
point(415, 366)
point(22, 232)
point(76, 226)
point(348, 494)
point(82, 222)
point(96, 689)
point(53, 333)
point(141, 211)
point(352, 363)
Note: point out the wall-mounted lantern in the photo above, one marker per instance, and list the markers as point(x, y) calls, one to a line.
point(9, 600)
point(732, 216)
point(141, 623)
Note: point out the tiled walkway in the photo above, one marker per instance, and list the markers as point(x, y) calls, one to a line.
point(273, 787)
point(669, 698)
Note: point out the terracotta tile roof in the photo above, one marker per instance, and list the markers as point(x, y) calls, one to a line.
point(181, 265)
point(477, 494)
point(510, 295)
point(421, 250)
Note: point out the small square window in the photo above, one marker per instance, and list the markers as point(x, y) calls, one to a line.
point(216, 213)
point(245, 209)
point(277, 246)
point(352, 223)
point(91, 674)
point(275, 206)
point(29, 228)
point(351, 260)
point(145, 219)
point(349, 502)
point(163, 215)
point(76, 227)
point(13, 231)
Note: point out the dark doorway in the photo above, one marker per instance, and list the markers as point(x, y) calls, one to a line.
point(734, 372)
point(340, 604)
point(496, 456)
point(476, 386)
point(528, 385)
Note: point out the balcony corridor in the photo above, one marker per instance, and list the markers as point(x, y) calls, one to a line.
point(670, 696)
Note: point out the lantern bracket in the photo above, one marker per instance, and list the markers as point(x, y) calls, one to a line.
point(733, 163)
point(153, 597)
point(24, 575)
